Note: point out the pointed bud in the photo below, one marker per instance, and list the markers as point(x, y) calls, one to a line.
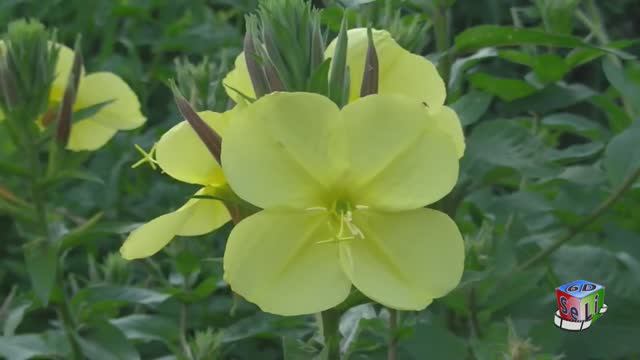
point(274, 62)
point(317, 47)
point(371, 69)
point(338, 89)
point(65, 114)
point(253, 59)
point(210, 138)
point(7, 84)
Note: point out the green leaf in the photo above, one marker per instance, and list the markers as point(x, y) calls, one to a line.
point(493, 35)
point(147, 327)
point(547, 67)
point(623, 82)
point(581, 56)
point(505, 88)
point(575, 152)
point(622, 156)
point(435, 340)
point(127, 295)
point(14, 318)
point(106, 342)
point(41, 259)
point(575, 124)
point(551, 98)
point(472, 106)
point(22, 347)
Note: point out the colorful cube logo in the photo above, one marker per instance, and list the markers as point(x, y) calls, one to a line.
point(579, 303)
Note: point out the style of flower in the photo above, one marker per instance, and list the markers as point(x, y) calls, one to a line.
point(181, 154)
point(400, 73)
point(109, 102)
point(343, 192)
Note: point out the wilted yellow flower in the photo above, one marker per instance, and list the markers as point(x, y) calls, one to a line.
point(116, 106)
point(400, 73)
point(182, 155)
point(343, 194)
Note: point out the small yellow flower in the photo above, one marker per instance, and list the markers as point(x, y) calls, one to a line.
point(343, 194)
point(400, 73)
point(121, 109)
point(182, 155)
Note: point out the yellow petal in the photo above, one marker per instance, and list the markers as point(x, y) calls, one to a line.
point(396, 160)
point(400, 72)
point(89, 135)
point(276, 152)
point(238, 80)
point(406, 259)
point(63, 69)
point(447, 120)
point(182, 155)
point(122, 113)
point(273, 260)
point(196, 217)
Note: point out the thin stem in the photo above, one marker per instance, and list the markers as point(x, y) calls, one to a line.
point(392, 348)
point(69, 328)
point(441, 32)
point(330, 321)
point(183, 332)
point(578, 228)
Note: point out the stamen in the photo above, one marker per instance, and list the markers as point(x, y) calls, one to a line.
point(362, 207)
point(316, 208)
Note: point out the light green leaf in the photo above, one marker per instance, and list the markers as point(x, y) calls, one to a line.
point(109, 293)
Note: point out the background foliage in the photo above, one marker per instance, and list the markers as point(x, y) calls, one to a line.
point(553, 145)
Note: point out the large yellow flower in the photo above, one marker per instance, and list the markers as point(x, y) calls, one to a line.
point(120, 110)
point(343, 194)
point(400, 73)
point(181, 154)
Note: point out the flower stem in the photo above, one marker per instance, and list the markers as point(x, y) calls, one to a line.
point(392, 349)
point(441, 32)
point(330, 321)
point(575, 230)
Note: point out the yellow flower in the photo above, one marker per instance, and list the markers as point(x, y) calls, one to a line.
point(120, 110)
point(343, 194)
point(181, 154)
point(400, 73)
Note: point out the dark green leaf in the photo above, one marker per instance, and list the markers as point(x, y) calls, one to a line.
point(493, 35)
point(472, 106)
point(41, 259)
point(105, 341)
point(505, 88)
point(622, 156)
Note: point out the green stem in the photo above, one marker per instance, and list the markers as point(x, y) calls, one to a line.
point(392, 348)
point(330, 320)
point(441, 32)
point(69, 327)
point(577, 229)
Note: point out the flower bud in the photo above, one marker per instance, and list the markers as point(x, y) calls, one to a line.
point(27, 69)
point(65, 113)
point(210, 138)
point(371, 69)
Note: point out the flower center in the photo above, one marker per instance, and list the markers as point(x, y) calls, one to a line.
point(341, 223)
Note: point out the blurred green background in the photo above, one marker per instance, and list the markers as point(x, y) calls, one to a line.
point(552, 135)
